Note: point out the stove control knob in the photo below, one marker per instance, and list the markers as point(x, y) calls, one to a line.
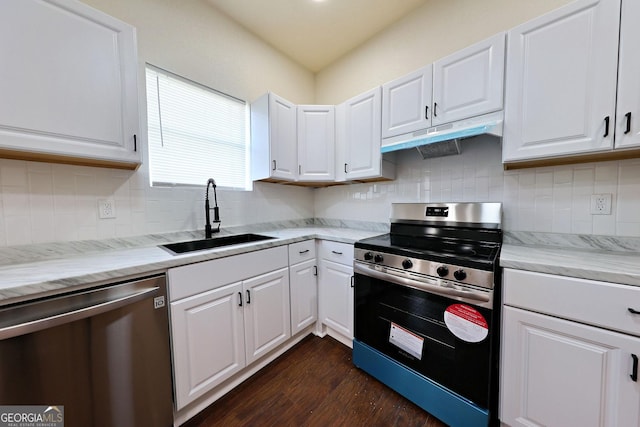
point(378, 258)
point(368, 256)
point(407, 264)
point(460, 274)
point(442, 270)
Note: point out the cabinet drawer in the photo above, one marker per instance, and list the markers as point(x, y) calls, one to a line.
point(204, 276)
point(337, 252)
point(588, 301)
point(302, 251)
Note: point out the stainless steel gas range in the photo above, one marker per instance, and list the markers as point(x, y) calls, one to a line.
point(427, 308)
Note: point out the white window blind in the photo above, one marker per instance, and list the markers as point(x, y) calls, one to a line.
point(195, 133)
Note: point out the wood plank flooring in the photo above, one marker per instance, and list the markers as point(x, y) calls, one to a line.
point(313, 384)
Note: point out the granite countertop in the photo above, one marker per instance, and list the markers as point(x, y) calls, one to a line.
point(43, 270)
point(603, 258)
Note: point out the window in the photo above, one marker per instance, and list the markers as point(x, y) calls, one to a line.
point(195, 133)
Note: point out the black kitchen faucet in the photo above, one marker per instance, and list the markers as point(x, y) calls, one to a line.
point(208, 231)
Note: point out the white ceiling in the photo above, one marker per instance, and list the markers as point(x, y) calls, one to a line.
point(314, 33)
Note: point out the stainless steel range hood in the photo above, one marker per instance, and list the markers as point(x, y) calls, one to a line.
point(444, 140)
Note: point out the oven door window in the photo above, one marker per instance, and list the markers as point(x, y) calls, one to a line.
point(409, 326)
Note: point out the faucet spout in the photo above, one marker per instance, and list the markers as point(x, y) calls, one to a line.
point(208, 229)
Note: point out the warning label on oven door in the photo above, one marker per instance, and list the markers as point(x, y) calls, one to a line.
point(407, 341)
point(466, 323)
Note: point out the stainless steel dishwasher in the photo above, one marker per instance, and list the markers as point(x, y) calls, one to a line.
point(102, 353)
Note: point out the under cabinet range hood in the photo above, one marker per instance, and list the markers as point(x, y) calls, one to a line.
point(443, 140)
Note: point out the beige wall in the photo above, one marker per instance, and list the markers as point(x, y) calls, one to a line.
point(191, 38)
point(435, 30)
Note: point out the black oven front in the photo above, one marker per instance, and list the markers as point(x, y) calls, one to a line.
point(442, 338)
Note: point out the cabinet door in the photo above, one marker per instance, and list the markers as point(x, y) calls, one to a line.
point(406, 102)
point(304, 295)
point(628, 108)
point(282, 138)
point(558, 373)
point(336, 297)
point(560, 82)
point(68, 82)
point(469, 82)
point(360, 120)
point(267, 314)
point(207, 332)
point(316, 143)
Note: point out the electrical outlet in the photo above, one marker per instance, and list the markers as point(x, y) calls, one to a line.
point(106, 208)
point(601, 204)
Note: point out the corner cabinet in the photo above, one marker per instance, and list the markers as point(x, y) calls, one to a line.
point(226, 314)
point(68, 85)
point(563, 76)
point(358, 137)
point(316, 143)
point(570, 360)
point(335, 290)
point(273, 139)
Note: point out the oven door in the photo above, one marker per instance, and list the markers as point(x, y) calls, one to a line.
point(442, 338)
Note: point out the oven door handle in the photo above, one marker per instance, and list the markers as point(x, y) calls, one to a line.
point(483, 297)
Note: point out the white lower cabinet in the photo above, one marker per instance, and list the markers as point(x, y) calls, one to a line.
point(267, 321)
point(303, 274)
point(225, 314)
point(208, 341)
point(335, 290)
point(557, 372)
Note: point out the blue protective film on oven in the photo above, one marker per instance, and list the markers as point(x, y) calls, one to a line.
point(433, 398)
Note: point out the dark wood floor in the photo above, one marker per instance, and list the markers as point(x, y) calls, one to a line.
point(313, 384)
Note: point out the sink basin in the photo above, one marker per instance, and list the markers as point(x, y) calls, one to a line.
point(216, 242)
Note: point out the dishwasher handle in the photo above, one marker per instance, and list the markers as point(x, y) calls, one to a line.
point(33, 317)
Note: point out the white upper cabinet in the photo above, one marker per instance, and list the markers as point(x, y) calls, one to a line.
point(465, 84)
point(358, 138)
point(406, 103)
point(69, 84)
point(273, 139)
point(469, 82)
point(628, 108)
point(316, 143)
point(560, 93)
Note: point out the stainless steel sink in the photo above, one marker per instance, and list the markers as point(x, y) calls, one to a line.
point(203, 244)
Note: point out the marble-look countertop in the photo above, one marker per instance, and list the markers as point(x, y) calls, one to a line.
point(603, 258)
point(35, 271)
point(44, 270)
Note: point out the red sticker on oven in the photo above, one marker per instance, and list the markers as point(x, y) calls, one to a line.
point(466, 323)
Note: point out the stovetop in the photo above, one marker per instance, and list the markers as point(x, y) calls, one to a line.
point(464, 253)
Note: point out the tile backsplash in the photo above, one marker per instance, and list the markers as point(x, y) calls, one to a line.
point(41, 202)
point(551, 199)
